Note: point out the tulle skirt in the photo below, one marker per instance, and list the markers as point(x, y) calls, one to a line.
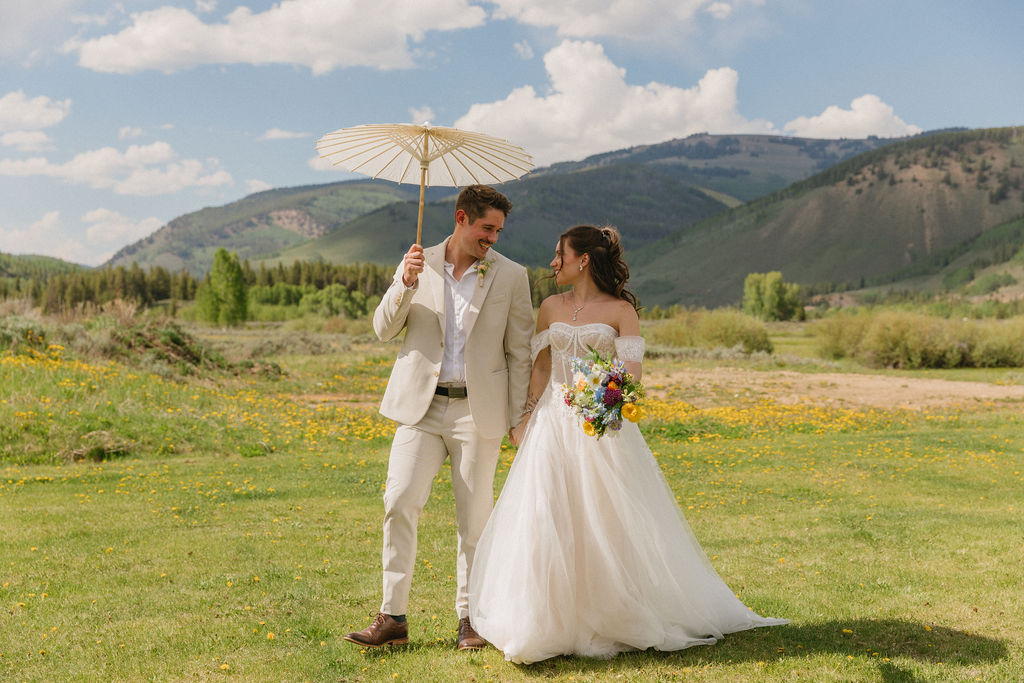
point(587, 552)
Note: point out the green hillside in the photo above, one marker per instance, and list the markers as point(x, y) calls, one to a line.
point(34, 266)
point(260, 224)
point(740, 166)
point(645, 204)
point(877, 216)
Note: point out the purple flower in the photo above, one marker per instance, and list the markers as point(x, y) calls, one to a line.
point(612, 396)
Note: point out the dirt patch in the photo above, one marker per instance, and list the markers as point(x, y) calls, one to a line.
point(339, 400)
point(299, 222)
point(730, 385)
point(718, 386)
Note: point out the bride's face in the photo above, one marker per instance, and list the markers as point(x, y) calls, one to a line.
point(566, 264)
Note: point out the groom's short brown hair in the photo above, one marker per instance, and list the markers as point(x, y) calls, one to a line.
point(475, 200)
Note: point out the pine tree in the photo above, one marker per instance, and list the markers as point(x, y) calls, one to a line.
point(224, 298)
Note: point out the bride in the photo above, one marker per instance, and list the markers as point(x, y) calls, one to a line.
point(586, 551)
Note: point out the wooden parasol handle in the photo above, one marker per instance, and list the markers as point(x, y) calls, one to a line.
point(424, 163)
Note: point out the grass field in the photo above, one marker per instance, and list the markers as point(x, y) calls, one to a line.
point(227, 527)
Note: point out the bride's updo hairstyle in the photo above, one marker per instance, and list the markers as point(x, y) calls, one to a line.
point(607, 267)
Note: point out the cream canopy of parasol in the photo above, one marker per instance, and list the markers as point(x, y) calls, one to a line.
point(432, 155)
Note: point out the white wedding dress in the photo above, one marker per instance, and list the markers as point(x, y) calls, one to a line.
point(586, 551)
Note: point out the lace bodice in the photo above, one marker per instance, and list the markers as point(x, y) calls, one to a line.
point(567, 341)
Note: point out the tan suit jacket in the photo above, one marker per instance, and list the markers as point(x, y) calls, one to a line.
point(499, 326)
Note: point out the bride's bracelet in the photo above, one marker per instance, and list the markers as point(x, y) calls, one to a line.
point(531, 403)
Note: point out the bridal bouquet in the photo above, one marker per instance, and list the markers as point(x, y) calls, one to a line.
point(602, 393)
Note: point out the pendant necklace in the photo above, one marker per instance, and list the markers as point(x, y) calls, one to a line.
point(575, 309)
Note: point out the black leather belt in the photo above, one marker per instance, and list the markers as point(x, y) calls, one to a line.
point(451, 392)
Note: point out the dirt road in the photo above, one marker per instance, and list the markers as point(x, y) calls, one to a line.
point(706, 387)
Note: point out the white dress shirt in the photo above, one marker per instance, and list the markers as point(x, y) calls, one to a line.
point(457, 296)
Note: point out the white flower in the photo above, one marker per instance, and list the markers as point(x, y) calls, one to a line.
point(481, 270)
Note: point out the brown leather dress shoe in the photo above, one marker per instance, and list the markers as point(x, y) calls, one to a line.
point(383, 631)
point(468, 638)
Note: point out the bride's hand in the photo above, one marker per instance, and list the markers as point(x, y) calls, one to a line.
point(515, 435)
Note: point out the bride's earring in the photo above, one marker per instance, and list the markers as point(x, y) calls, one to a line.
point(581, 267)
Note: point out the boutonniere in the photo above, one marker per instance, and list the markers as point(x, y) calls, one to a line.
point(481, 270)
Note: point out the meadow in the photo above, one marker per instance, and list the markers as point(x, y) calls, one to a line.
point(221, 521)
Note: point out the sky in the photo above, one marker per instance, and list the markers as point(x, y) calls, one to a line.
point(117, 117)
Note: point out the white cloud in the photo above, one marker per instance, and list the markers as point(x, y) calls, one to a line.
point(319, 34)
point(206, 6)
point(590, 108)
point(115, 12)
point(641, 20)
point(279, 134)
point(720, 10)
point(141, 170)
point(45, 237)
point(254, 186)
point(109, 228)
point(31, 240)
point(867, 115)
point(146, 182)
point(18, 112)
point(27, 140)
point(320, 164)
point(421, 115)
point(523, 50)
point(28, 23)
point(129, 133)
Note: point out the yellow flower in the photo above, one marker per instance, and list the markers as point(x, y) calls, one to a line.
point(632, 412)
point(588, 429)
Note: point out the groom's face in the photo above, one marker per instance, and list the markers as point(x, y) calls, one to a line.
point(475, 238)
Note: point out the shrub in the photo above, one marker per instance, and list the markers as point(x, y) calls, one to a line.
point(730, 328)
point(677, 331)
point(723, 327)
point(912, 340)
point(839, 335)
point(900, 339)
point(990, 282)
point(1000, 343)
point(957, 278)
point(23, 335)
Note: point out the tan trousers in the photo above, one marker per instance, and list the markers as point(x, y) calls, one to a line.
point(417, 454)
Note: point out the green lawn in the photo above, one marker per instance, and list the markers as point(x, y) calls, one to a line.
point(228, 528)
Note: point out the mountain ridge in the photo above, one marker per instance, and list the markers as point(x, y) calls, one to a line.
point(726, 168)
point(875, 213)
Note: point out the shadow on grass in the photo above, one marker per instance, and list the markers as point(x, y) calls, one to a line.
point(877, 639)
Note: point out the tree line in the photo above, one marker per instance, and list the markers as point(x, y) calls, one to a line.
point(280, 284)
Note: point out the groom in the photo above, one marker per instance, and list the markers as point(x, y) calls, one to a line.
point(458, 384)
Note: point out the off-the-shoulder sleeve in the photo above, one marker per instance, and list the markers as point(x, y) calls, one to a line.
point(630, 349)
point(538, 342)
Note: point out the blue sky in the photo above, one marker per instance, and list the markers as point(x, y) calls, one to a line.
point(116, 117)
